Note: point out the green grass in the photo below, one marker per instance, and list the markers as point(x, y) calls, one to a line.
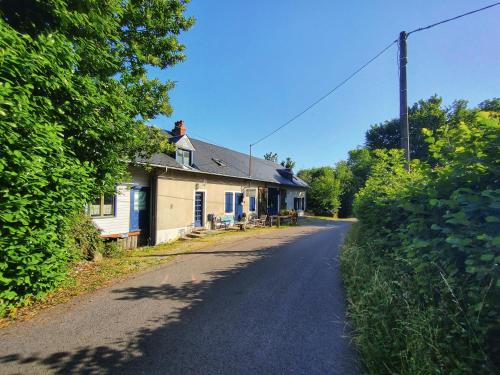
point(395, 332)
point(330, 218)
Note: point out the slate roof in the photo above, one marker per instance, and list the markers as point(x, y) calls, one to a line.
point(217, 160)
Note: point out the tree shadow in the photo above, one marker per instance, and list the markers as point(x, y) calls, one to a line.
point(201, 337)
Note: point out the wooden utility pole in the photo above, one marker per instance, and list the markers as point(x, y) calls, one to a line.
point(403, 99)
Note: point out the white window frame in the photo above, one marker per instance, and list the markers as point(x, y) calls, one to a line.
point(184, 151)
point(233, 207)
point(101, 209)
point(204, 213)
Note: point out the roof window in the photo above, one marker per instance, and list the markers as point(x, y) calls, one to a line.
point(219, 162)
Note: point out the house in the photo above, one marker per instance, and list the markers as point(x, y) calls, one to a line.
point(170, 195)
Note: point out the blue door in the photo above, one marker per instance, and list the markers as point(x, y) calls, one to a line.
point(273, 201)
point(238, 206)
point(139, 209)
point(198, 209)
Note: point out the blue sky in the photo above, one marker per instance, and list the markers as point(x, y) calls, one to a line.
point(252, 65)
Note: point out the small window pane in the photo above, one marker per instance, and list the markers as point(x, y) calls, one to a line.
point(229, 202)
point(95, 207)
point(109, 205)
point(184, 157)
point(139, 200)
point(252, 203)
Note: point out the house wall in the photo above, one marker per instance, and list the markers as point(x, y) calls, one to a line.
point(120, 223)
point(291, 194)
point(175, 200)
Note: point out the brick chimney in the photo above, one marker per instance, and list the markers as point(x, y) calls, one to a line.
point(179, 129)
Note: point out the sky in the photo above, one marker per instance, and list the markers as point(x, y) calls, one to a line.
point(253, 65)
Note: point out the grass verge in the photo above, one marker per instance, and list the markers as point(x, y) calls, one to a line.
point(85, 277)
point(396, 330)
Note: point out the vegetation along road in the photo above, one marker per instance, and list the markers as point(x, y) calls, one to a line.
point(271, 304)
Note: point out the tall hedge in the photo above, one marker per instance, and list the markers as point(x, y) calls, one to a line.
point(423, 274)
point(41, 183)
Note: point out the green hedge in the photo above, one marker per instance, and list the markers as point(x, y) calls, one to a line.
point(421, 269)
point(41, 185)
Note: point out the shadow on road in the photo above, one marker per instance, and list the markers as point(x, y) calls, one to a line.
point(165, 344)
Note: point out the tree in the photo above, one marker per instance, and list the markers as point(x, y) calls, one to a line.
point(323, 196)
point(345, 176)
point(74, 100)
point(490, 105)
point(271, 156)
point(288, 163)
point(423, 114)
point(111, 96)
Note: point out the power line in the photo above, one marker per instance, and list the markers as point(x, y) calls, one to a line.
point(452, 19)
point(326, 95)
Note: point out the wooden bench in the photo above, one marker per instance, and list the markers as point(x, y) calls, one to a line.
point(261, 221)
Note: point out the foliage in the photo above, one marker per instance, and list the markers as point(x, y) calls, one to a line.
point(425, 265)
point(41, 181)
point(323, 196)
point(74, 100)
point(288, 163)
point(86, 237)
point(490, 105)
point(112, 249)
point(271, 156)
point(346, 177)
point(423, 114)
point(353, 174)
point(110, 98)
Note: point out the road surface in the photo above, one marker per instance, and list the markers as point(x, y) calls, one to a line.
point(267, 304)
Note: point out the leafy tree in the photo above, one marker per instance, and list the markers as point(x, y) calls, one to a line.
point(423, 114)
point(345, 176)
point(490, 105)
point(271, 156)
point(111, 97)
point(323, 196)
point(74, 100)
point(288, 163)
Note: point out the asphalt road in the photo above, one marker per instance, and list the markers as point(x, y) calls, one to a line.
point(271, 304)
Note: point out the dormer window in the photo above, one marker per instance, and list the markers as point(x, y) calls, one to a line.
point(183, 157)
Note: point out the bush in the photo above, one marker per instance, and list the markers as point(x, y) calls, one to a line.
point(41, 184)
point(112, 249)
point(422, 268)
point(87, 241)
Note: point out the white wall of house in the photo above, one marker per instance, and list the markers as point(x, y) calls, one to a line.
point(120, 223)
point(291, 194)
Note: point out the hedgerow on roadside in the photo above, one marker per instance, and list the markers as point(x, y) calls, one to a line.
point(421, 268)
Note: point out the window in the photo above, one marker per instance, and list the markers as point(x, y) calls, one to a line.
point(103, 205)
point(252, 204)
point(283, 199)
point(219, 162)
point(183, 157)
point(229, 202)
point(298, 203)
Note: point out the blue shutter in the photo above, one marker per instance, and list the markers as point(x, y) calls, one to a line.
point(229, 202)
point(252, 203)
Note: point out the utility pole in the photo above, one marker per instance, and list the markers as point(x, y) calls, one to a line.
point(403, 99)
point(250, 163)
